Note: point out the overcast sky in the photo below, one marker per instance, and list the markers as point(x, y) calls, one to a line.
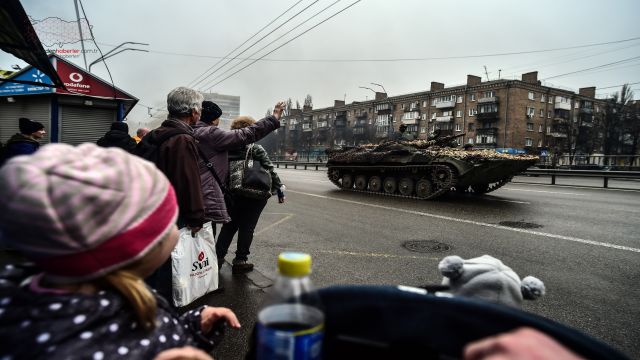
point(187, 37)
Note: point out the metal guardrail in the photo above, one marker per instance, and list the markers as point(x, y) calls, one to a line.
point(606, 175)
point(295, 164)
point(553, 173)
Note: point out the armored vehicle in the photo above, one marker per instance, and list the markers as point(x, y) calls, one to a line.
point(422, 169)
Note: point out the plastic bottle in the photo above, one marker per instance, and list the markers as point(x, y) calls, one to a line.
point(291, 322)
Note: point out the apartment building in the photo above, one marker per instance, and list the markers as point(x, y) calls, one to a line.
point(514, 116)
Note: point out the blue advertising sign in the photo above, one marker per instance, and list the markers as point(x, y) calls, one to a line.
point(32, 74)
point(511, 151)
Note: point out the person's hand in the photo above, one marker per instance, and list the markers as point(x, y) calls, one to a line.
point(194, 230)
point(210, 315)
point(183, 353)
point(278, 109)
point(521, 344)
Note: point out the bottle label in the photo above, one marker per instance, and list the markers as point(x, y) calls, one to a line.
point(290, 337)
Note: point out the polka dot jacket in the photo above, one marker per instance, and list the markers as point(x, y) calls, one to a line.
point(79, 326)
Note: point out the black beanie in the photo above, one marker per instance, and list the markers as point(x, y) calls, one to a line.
point(210, 111)
point(28, 126)
point(118, 125)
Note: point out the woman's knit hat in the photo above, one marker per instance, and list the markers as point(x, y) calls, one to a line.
point(210, 111)
point(82, 212)
point(28, 126)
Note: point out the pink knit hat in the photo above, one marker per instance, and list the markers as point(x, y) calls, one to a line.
point(81, 212)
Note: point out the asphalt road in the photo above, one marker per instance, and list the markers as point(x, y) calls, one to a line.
point(584, 243)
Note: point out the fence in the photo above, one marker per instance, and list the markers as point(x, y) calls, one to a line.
point(613, 162)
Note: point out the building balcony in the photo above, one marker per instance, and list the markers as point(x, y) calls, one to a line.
point(586, 111)
point(487, 131)
point(560, 120)
point(444, 118)
point(362, 116)
point(557, 134)
point(358, 131)
point(488, 100)
point(412, 108)
point(586, 124)
point(562, 105)
point(410, 122)
point(306, 127)
point(360, 123)
point(445, 104)
point(382, 131)
point(487, 116)
point(341, 122)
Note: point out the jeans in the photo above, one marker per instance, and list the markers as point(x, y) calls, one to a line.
point(244, 217)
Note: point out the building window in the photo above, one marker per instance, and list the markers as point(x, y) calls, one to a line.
point(540, 143)
point(532, 96)
point(548, 129)
point(473, 97)
point(470, 141)
point(410, 115)
point(459, 100)
point(433, 115)
point(528, 142)
point(423, 129)
point(548, 114)
point(423, 116)
point(531, 111)
point(471, 126)
point(458, 127)
point(539, 128)
point(550, 99)
point(424, 103)
point(458, 113)
point(433, 102)
point(541, 112)
point(447, 113)
point(576, 105)
point(529, 126)
point(489, 94)
point(488, 108)
point(543, 98)
point(473, 112)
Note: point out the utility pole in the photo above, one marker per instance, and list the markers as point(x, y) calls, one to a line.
point(485, 72)
point(84, 55)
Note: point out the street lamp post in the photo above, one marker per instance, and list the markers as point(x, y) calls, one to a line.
point(111, 53)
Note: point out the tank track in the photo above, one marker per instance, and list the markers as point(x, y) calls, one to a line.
point(442, 189)
point(491, 187)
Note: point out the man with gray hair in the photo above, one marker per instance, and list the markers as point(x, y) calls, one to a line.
point(177, 157)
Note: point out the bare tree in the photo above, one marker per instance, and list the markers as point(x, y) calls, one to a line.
point(287, 108)
point(297, 104)
point(308, 101)
point(612, 123)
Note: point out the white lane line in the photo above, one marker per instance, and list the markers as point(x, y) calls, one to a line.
point(511, 201)
point(287, 217)
point(435, 216)
point(543, 191)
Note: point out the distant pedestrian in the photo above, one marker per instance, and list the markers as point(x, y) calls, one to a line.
point(25, 142)
point(215, 143)
point(178, 160)
point(140, 133)
point(118, 136)
point(246, 211)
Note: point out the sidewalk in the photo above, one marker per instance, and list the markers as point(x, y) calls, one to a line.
point(243, 294)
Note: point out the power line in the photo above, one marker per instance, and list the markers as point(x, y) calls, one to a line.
point(262, 38)
point(615, 86)
point(246, 41)
point(262, 48)
point(398, 59)
point(306, 31)
point(593, 68)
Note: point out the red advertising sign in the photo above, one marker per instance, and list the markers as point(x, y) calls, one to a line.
point(80, 82)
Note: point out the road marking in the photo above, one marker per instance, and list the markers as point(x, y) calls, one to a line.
point(495, 226)
point(543, 191)
point(287, 217)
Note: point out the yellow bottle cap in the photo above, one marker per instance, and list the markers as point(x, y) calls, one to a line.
point(294, 264)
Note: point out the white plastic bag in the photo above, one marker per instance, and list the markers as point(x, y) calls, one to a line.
point(194, 265)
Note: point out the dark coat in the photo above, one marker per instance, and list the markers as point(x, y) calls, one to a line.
point(36, 323)
point(215, 142)
point(19, 144)
point(178, 160)
point(118, 138)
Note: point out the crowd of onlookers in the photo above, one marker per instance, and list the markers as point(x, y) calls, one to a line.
point(98, 225)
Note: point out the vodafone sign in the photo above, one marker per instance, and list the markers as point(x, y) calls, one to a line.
point(78, 81)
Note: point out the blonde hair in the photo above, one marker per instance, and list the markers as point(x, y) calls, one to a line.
point(138, 295)
point(242, 122)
